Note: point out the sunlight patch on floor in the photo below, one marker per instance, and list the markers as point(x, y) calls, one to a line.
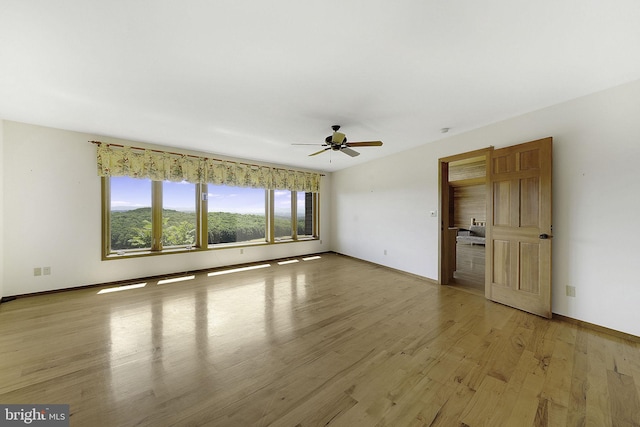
point(122, 288)
point(237, 270)
point(175, 279)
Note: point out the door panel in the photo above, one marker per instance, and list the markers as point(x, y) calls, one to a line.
point(530, 202)
point(501, 262)
point(529, 274)
point(503, 164)
point(502, 203)
point(529, 160)
point(518, 260)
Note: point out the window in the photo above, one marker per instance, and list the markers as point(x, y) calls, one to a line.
point(179, 214)
point(142, 216)
point(283, 221)
point(304, 214)
point(235, 214)
point(130, 214)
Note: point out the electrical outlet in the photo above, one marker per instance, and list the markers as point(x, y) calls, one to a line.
point(46, 271)
point(385, 251)
point(241, 251)
point(37, 271)
point(571, 291)
point(433, 213)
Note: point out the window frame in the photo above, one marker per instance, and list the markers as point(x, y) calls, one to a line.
point(312, 216)
point(201, 243)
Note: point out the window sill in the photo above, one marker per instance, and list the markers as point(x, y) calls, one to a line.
point(141, 253)
point(218, 246)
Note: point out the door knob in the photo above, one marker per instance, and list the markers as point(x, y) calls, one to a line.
point(544, 236)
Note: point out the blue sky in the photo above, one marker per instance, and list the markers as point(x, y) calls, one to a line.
point(132, 193)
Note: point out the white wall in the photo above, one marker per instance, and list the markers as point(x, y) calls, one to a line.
point(385, 204)
point(52, 216)
point(51, 208)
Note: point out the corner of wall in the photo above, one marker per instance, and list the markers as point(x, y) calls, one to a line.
point(2, 208)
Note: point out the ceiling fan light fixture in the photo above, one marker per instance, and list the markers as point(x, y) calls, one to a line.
point(338, 138)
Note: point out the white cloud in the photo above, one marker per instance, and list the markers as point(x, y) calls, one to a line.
point(125, 204)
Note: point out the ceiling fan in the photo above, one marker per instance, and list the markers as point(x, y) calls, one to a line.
point(338, 142)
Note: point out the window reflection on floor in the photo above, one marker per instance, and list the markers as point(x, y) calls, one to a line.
point(216, 316)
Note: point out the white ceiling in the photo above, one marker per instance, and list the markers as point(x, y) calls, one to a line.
point(249, 78)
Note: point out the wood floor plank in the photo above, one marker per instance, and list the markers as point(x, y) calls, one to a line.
point(485, 402)
point(625, 406)
point(449, 413)
point(576, 410)
point(558, 379)
point(334, 341)
point(522, 393)
point(597, 403)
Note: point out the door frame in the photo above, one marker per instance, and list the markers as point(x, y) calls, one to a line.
point(539, 302)
point(446, 242)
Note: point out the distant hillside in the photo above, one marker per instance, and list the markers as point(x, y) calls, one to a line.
point(131, 229)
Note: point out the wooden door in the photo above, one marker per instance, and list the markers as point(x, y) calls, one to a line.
point(518, 246)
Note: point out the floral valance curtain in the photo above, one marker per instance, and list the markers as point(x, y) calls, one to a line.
point(164, 166)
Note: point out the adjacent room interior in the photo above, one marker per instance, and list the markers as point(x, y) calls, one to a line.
point(467, 216)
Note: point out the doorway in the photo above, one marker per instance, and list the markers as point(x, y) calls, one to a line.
point(463, 198)
point(517, 221)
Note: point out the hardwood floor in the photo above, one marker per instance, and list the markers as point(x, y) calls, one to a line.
point(470, 267)
point(328, 341)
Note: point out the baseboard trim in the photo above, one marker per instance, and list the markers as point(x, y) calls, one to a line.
point(597, 328)
point(581, 323)
point(156, 277)
point(415, 276)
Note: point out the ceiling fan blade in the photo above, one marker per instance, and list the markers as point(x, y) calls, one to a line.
point(365, 144)
point(308, 144)
point(321, 151)
point(349, 151)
